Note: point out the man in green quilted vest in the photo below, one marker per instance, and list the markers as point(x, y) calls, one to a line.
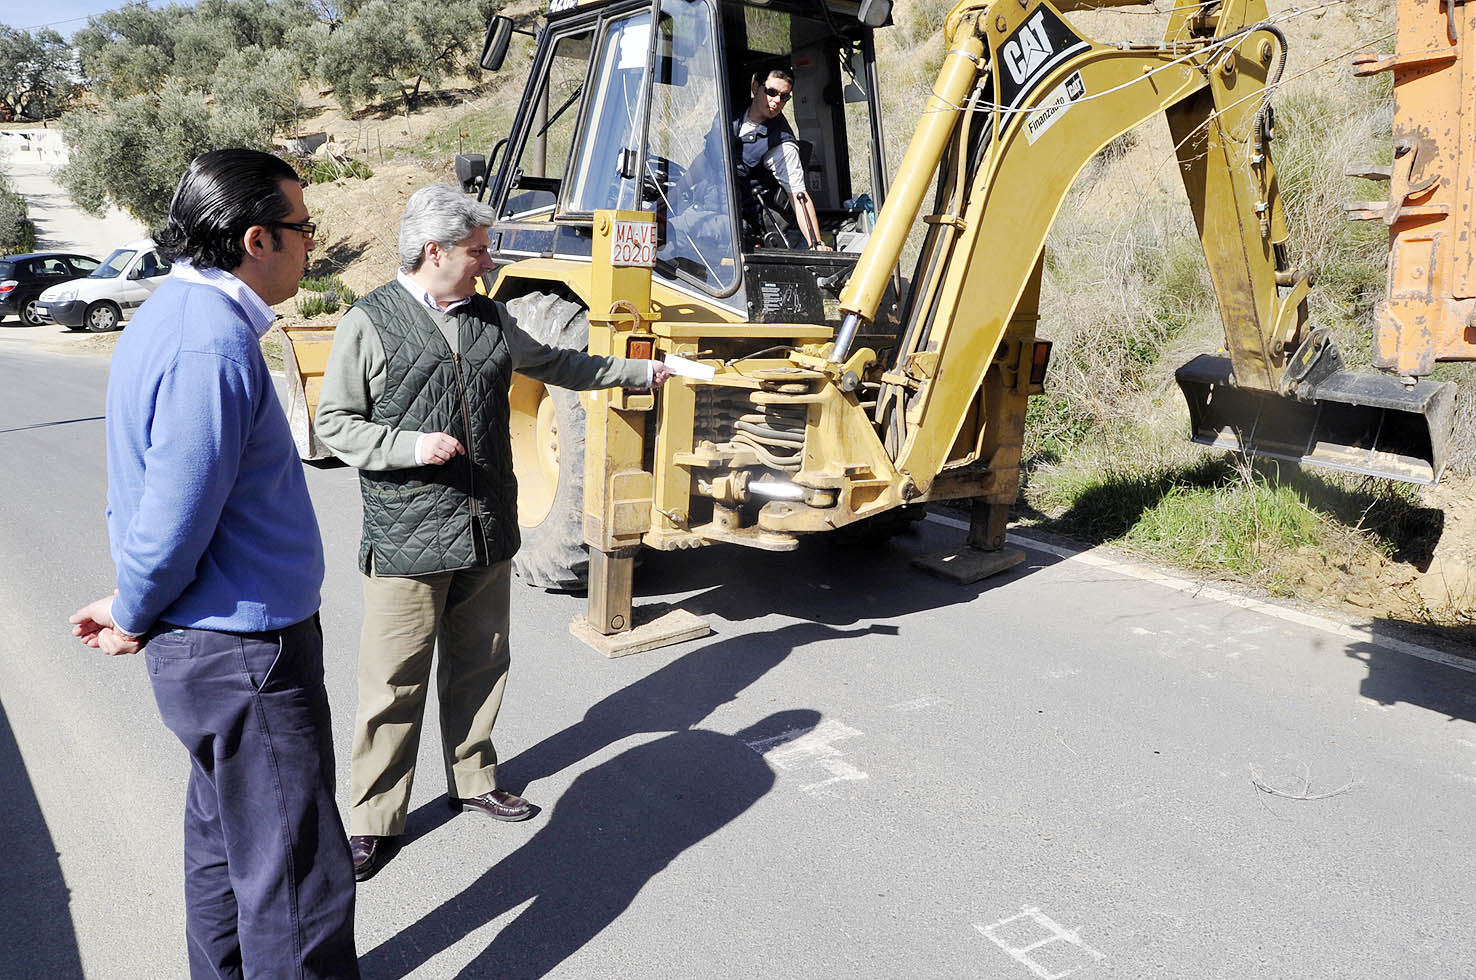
point(415, 395)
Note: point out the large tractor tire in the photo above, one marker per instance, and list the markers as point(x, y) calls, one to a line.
point(548, 453)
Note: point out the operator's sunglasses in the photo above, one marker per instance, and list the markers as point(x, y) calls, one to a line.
point(308, 228)
point(774, 93)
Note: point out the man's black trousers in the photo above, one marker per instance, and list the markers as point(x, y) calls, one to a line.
point(269, 886)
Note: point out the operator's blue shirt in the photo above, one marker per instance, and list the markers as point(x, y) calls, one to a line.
point(208, 516)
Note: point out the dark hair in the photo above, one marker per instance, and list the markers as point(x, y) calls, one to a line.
point(223, 193)
point(762, 75)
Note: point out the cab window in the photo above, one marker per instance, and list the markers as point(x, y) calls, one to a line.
point(151, 265)
point(544, 156)
point(114, 264)
point(604, 168)
point(686, 166)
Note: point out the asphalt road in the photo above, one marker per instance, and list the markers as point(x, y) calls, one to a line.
point(864, 772)
point(60, 225)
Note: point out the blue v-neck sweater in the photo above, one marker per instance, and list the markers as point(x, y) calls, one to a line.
point(208, 514)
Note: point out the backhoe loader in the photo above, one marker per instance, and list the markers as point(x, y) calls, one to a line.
point(831, 391)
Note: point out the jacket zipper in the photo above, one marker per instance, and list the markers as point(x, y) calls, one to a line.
point(467, 432)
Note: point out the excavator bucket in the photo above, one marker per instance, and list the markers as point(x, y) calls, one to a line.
point(1357, 421)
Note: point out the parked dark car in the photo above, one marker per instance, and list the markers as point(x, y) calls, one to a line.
point(23, 277)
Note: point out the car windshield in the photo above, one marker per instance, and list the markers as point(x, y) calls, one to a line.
point(6, 269)
point(114, 264)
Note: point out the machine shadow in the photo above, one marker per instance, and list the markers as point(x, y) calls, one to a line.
point(820, 581)
point(1395, 677)
point(40, 940)
point(677, 697)
point(618, 825)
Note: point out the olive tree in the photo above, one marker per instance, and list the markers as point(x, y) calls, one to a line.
point(133, 155)
point(129, 50)
point(17, 234)
point(389, 49)
point(36, 77)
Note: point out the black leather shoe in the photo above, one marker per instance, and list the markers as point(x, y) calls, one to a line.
point(370, 854)
point(498, 804)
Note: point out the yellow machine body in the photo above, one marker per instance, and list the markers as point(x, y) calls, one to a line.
point(830, 393)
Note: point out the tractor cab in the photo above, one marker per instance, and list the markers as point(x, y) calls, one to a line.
point(632, 106)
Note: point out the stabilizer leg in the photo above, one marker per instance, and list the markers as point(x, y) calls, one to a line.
point(612, 626)
point(983, 553)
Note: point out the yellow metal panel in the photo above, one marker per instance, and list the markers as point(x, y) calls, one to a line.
point(617, 491)
point(312, 353)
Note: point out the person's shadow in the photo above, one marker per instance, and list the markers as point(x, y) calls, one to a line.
point(679, 695)
point(618, 826)
point(35, 903)
point(676, 697)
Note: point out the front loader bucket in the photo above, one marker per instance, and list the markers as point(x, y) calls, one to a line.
point(1361, 422)
point(304, 357)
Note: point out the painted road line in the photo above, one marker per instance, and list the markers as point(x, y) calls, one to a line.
point(1041, 944)
point(1361, 633)
point(812, 748)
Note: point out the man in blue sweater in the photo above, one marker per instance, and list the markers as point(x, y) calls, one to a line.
point(219, 566)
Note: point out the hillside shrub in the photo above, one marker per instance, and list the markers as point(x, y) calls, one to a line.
point(17, 231)
point(325, 170)
point(323, 294)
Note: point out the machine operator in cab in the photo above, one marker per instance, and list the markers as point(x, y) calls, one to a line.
point(767, 156)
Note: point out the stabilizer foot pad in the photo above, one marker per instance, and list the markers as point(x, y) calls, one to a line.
point(674, 626)
point(967, 565)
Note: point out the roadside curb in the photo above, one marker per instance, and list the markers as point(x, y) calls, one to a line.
point(1361, 632)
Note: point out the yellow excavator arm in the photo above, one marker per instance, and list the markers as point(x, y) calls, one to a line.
point(1022, 103)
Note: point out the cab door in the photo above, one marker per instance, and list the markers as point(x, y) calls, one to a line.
point(686, 163)
point(535, 179)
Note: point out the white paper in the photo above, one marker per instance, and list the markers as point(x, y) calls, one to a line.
point(684, 368)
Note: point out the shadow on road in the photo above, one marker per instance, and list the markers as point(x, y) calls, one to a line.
point(820, 581)
point(34, 901)
point(623, 821)
point(615, 829)
point(676, 697)
point(1394, 677)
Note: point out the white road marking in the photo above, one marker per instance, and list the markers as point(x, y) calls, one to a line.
point(916, 704)
point(1362, 632)
point(840, 771)
point(762, 745)
point(1032, 930)
point(812, 748)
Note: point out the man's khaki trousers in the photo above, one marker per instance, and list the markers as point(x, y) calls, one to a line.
point(465, 614)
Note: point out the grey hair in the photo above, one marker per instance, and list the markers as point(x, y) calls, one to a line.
point(442, 214)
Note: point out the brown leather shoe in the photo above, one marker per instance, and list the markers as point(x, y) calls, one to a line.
point(498, 804)
point(370, 854)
